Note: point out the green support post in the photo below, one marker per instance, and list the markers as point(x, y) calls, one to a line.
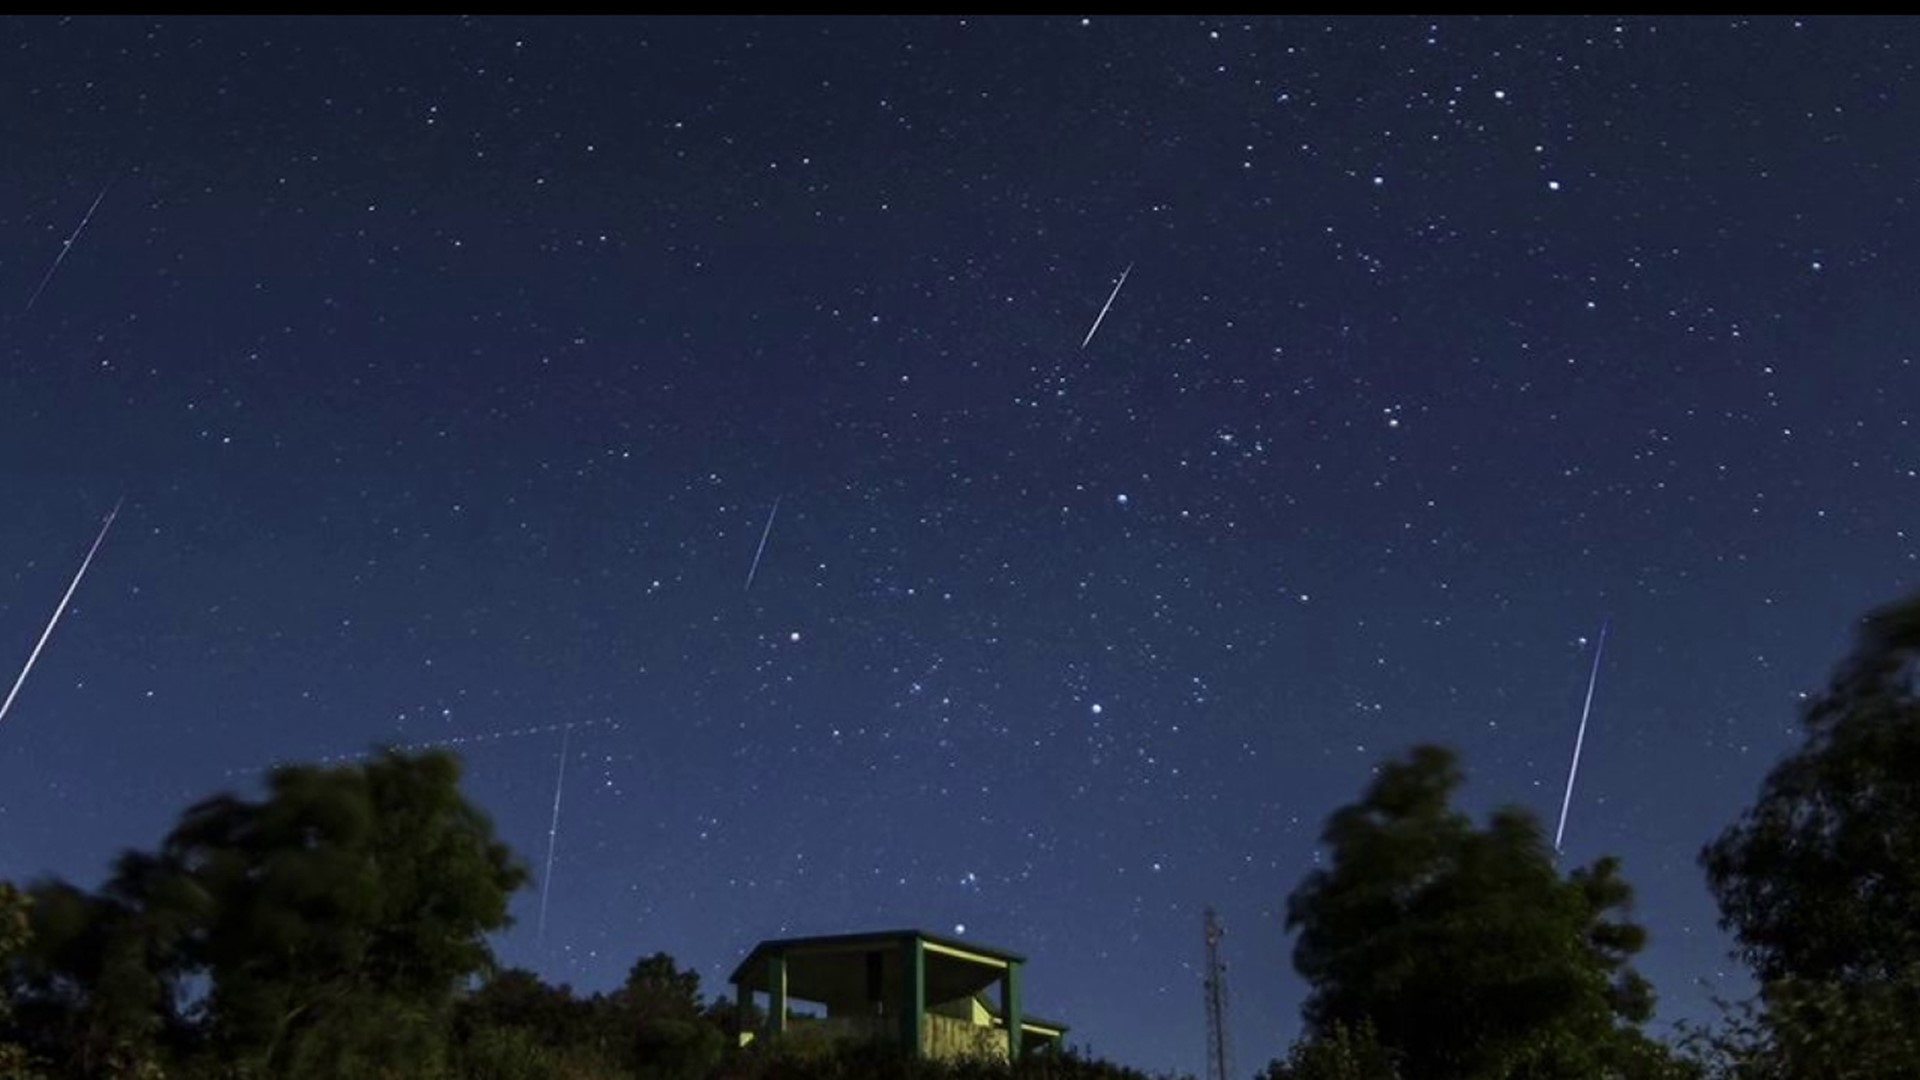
point(1010, 1004)
point(913, 1011)
point(777, 991)
point(742, 1010)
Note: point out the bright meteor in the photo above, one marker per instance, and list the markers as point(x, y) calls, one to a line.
point(1098, 319)
point(57, 612)
point(553, 836)
point(1579, 740)
point(66, 246)
point(762, 549)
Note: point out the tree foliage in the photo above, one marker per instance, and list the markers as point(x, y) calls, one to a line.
point(349, 896)
point(1463, 947)
point(668, 1035)
point(1819, 880)
point(89, 998)
point(14, 934)
point(1338, 1052)
point(653, 1026)
point(321, 931)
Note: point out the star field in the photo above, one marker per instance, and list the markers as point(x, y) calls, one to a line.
point(452, 369)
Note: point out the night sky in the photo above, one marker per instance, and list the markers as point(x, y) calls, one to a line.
point(452, 369)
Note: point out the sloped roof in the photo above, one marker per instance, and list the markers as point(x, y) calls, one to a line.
point(753, 965)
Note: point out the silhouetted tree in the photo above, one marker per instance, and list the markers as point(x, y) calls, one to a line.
point(516, 1027)
point(323, 931)
point(336, 919)
point(92, 995)
point(1464, 948)
point(1338, 1053)
point(655, 986)
point(652, 1026)
point(667, 1033)
point(517, 997)
point(14, 933)
point(1820, 879)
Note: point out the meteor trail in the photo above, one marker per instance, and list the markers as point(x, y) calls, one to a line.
point(428, 744)
point(761, 550)
point(57, 612)
point(1103, 308)
point(553, 834)
point(65, 247)
point(1579, 740)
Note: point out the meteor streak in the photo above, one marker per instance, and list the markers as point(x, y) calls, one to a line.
point(553, 834)
point(65, 247)
point(761, 550)
point(58, 611)
point(428, 744)
point(1097, 319)
point(1593, 677)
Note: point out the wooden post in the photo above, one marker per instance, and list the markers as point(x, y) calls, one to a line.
point(913, 1009)
point(777, 990)
point(1010, 1004)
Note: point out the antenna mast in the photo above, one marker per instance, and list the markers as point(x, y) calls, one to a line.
point(1219, 1053)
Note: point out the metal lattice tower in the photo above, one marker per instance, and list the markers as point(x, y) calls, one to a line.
point(1219, 1047)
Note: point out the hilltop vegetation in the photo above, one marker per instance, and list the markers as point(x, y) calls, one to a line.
point(339, 927)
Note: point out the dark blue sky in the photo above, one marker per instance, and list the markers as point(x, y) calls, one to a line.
point(450, 370)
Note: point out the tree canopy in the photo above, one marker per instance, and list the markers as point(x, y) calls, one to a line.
point(1336, 1052)
point(1819, 880)
point(1462, 948)
point(349, 893)
point(314, 932)
point(13, 940)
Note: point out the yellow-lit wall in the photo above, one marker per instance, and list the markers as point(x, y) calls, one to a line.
point(949, 1039)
